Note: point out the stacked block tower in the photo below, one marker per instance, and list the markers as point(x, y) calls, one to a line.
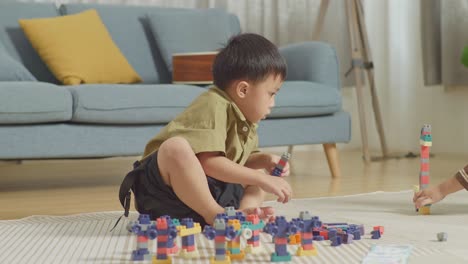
point(425, 141)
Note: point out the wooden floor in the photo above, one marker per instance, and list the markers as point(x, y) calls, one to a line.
point(61, 187)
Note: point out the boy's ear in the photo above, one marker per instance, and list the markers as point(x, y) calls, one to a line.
point(242, 87)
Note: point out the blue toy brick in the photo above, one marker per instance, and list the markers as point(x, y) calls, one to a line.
point(307, 241)
point(276, 172)
point(161, 256)
point(255, 238)
point(315, 233)
point(357, 235)
point(281, 250)
point(336, 241)
point(220, 251)
point(142, 251)
point(188, 239)
point(144, 219)
point(137, 256)
point(187, 222)
point(375, 234)
point(319, 238)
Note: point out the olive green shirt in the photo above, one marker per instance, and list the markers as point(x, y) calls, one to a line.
point(212, 123)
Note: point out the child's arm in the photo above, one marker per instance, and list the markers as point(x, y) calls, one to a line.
point(223, 169)
point(437, 193)
point(266, 161)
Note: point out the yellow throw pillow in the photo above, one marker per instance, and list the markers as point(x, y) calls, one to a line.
point(79, 49)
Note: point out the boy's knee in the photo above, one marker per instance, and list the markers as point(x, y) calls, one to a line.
point(176, 147)
point(253, 189)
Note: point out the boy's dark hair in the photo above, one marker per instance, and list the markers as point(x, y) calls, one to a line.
point(247, 56)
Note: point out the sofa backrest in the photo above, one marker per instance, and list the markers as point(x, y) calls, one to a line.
point(16, 43)
point(128, 25)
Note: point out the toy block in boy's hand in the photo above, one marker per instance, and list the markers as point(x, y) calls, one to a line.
point(281, 164)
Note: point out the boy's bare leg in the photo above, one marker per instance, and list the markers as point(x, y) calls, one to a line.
point(252, 200)
point(181, 170)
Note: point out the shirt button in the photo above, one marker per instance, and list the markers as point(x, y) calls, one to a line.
point(245, 129)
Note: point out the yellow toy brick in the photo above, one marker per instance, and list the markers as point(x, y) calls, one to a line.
point(162, 261)
point(302, 252)
point(425, 210)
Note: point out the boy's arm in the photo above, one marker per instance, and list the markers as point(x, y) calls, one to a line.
point(437, 193)
point(450, 186)
point(221, 168)
point(462, 178)
point(257, 161)
point(269, 162)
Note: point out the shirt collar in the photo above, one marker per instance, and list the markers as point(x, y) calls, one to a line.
point(234, 106)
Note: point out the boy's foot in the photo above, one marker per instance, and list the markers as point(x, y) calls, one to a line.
point(266, 213)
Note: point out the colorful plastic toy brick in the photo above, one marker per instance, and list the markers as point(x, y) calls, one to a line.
point(334, 237)
point(380, 229)
point(219, 232)
point(233, 246)
point(231, 213)
point(281, 164)
point(254, 223)
point(144, 229)
point(425, 141)
point(306, 223)
point(442, 236)
point(171, 246)
point(166, 231)
point(280, 229)
point(187, 231)
point(375, 234)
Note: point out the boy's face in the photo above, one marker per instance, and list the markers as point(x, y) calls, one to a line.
point(257, 100)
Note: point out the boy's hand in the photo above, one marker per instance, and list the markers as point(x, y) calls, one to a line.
point(428, 196)
point(273, 160)
point(277, 186)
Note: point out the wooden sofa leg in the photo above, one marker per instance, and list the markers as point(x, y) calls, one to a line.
point(332, 157)
point(290, 149)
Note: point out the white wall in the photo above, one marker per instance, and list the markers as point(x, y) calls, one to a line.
point(395, 39)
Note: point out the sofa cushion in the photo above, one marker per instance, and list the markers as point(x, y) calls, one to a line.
point(130, 31)
point(12, 70)
point(34, 102)
point(16, 43)
point(78, 49)
point(130, 104)
point(190, 30)
point(300, 98)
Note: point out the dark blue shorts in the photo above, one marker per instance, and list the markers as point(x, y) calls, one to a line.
point(154, 197)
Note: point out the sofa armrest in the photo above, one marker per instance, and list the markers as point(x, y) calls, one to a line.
point(312, 61)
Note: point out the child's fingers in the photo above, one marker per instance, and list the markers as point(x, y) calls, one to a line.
point(417, 195)
point(287, 196)
point(423, 201)
point(281, 196)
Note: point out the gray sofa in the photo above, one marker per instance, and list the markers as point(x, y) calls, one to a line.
point(41, 119)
